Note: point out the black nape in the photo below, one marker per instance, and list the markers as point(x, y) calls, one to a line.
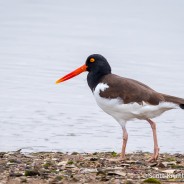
point(97, 66)
point(182, 106)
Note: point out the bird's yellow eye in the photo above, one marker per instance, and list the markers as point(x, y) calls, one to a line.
point(92, 60)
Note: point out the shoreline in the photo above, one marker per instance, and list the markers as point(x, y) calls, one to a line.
point(98, 167)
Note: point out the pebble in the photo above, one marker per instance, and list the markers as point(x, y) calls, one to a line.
point(86, 171)
point(105, 168)
point(169, 171)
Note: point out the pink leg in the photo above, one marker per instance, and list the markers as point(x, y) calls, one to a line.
point(125, 138)
point(156, 148)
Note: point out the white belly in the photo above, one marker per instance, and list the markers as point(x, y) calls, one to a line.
point(125, 112)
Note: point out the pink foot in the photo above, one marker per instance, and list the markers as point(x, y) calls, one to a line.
point(155, 155)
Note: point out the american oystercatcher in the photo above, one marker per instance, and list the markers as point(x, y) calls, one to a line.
point(124, 99)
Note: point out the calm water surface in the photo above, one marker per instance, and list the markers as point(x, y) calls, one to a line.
point(41, 41)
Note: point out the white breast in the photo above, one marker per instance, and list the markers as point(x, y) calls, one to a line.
point(125, 112)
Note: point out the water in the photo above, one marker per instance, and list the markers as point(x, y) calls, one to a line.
point(40, 41)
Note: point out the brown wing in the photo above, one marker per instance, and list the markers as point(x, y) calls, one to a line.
point(173, 99)
point(129, 90)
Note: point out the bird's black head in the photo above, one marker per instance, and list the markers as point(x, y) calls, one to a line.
point(96, 63)
point(97, 66)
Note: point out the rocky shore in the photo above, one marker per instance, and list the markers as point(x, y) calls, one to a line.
point(93, 168)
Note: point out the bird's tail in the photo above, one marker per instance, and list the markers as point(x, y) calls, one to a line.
point(173, 99)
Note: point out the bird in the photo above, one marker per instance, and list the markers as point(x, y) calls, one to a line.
point(125, 99)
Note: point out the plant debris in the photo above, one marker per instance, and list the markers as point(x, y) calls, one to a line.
point(94, 168)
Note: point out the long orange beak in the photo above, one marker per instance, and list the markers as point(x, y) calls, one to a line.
point(72, 74)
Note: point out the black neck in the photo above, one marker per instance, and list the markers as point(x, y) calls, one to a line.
point(93, 79)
